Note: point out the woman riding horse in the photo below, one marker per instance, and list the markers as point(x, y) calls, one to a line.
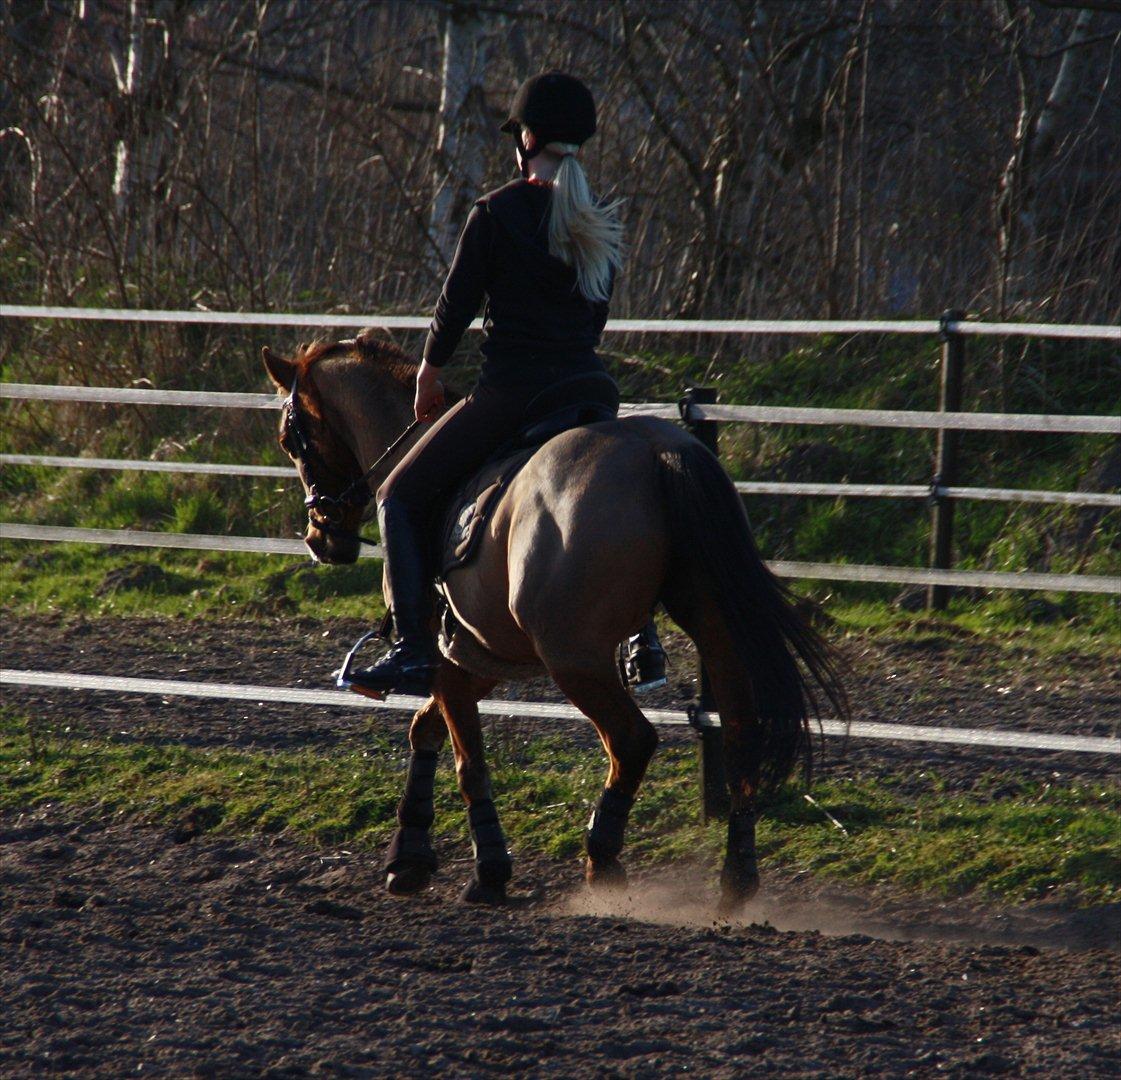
point(544, 255)
point(601, 524)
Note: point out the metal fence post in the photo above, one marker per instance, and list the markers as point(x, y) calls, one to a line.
point(715, 802)
point(946, 460)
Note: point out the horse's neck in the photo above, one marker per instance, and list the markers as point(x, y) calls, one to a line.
point(374, 410)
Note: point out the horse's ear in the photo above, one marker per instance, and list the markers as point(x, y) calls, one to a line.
point(281, 370)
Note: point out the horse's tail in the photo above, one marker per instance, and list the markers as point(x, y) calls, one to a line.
point(712, 539)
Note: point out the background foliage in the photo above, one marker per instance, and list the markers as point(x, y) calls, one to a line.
point(781, 159)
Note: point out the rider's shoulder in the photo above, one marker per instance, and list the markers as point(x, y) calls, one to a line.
point(507, 195)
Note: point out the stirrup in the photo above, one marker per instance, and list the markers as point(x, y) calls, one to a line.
point(344, 676)
point(388, 675)
point(643, 667)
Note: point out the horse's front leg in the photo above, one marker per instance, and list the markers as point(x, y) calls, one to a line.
point(458, 693)
point(411, 859)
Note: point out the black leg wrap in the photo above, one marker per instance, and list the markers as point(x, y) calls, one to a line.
point(608, 824)
point(493, 865)
point(411, 846)
point(416, 807)
point(741, 872)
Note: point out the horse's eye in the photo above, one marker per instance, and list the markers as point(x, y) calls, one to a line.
point(289, 440)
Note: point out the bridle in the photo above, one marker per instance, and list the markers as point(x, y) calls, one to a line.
point(325, 512)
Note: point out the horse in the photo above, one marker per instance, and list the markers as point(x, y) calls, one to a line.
point(603, 523)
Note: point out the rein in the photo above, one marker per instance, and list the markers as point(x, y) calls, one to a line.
point(355, 496)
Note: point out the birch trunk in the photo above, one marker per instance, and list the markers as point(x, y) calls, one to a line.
point(128, 70)
point(461, 140)
point(1035, 142)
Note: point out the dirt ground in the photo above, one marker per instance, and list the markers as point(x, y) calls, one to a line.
point(124, 952)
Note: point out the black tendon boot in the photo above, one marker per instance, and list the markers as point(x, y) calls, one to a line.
point(644, 660)
point(410, 666)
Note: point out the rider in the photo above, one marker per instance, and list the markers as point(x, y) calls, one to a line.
point(544, 255)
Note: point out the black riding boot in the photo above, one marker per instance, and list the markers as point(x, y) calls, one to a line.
point(644, 660)
point(410, 666)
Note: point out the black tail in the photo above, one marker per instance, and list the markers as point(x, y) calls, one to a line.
point(711, 530)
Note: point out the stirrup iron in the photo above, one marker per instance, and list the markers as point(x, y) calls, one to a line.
point(642, 661)
point(343, 675)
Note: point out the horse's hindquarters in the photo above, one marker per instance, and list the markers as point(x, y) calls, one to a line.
point(575, 554)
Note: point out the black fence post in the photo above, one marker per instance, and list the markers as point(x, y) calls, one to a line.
point(715, 802)
point(946, 461)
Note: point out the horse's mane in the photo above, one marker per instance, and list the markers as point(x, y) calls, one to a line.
point(389, 358)
point(382, 357)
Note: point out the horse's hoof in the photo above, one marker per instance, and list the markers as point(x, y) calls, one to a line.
point(736, 889)
point(408, 880)
point(478, 892)
point(731, 904)
point(608, 874)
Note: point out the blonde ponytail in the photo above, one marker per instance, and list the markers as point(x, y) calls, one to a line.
point(582, 233)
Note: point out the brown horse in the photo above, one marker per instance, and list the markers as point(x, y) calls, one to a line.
point(603, 523)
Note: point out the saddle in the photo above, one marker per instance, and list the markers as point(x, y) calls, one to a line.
point(587, 398)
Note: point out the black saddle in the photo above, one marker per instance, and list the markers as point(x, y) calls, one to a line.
point(587, 398)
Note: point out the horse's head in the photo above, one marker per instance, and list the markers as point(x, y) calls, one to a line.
point(313, 433)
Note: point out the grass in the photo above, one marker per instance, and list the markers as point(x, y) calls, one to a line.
point(1056, 842)
point(76, 579)
point(1043, 625)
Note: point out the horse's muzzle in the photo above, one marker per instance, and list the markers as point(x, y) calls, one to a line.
point(330, 549)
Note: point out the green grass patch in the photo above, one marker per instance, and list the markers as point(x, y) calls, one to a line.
point(1043, 841)
point(77, 579)
point(1038, 625)
point(1040, 841)
point(92, 581)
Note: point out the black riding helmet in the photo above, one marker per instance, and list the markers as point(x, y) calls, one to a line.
point(556, 107)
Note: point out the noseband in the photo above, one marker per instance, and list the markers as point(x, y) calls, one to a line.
point(325, 511)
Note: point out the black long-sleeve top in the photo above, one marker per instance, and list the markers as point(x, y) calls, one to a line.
point(537, 326)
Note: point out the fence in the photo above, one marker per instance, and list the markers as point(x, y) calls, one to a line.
point(699, 410)
point(703, 415)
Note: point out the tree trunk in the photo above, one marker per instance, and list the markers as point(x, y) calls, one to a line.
point(461, 140)
point(1034, 144)
point(128, 67)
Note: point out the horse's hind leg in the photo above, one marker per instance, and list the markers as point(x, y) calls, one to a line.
point(630, 740)
point(728, 676)
point(411, 860)
point(458, 693)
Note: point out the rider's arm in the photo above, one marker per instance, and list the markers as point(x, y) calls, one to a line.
point(429, 392)
point(463, 290)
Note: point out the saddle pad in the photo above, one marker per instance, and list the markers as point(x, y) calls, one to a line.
point(473, 505)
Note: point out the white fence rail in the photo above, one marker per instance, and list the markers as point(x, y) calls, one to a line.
point(64, 534)
point(619, 326)
point(756, 414)
point(291, 695)
point(205, 468)
point(745, 487)
point(897, 575)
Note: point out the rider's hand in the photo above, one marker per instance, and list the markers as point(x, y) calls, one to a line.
point(429, 392)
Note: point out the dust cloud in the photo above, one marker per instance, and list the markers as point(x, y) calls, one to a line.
point(684, 897)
